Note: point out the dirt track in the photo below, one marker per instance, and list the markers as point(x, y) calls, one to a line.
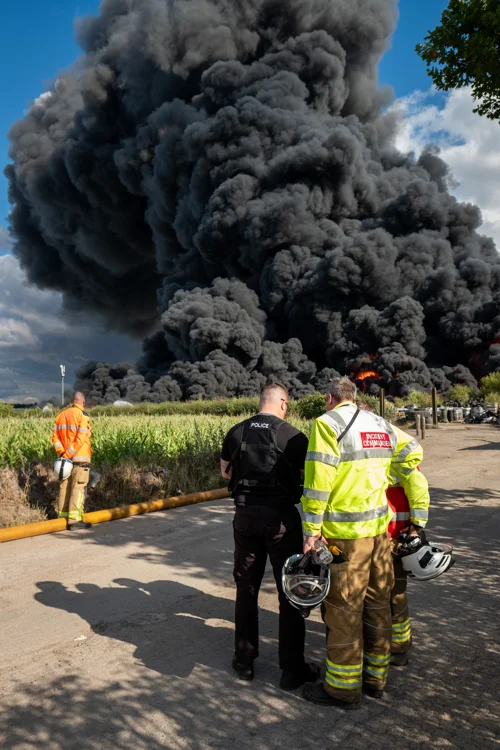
point(121, 637)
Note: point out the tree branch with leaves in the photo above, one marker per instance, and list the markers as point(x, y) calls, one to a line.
point(464, 50)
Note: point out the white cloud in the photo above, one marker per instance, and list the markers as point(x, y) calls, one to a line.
point(16, 334)
point(470, 144)
point(36, 336)
point(5, 241)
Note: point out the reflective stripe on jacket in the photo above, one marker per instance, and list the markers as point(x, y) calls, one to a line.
point(401, 511)
point(345, 484)
point(71, 434)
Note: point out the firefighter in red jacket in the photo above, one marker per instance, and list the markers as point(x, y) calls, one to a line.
point(403, 521)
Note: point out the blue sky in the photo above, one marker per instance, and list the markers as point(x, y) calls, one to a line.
point(37, 40)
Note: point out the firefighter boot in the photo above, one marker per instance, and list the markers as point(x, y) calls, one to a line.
point(399, 660)
point(316, 693)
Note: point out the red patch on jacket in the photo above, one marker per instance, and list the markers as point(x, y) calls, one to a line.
point(398, 503)
point(376, 440)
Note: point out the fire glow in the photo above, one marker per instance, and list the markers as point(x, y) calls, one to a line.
point(368, 374)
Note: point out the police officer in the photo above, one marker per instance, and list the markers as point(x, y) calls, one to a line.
point(263, 457)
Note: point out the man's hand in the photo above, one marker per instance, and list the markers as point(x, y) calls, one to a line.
point(310, 542)
point(226, 469)
point(411, 530)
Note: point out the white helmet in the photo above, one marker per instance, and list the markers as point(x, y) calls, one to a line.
point(427, 560)
point(305, 583)
point(63, 468)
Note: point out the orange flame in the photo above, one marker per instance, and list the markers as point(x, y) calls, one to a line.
point(367, 374)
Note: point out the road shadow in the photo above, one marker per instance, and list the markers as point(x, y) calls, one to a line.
point(172, 626)
point(485, 446)
point(178, 692)
point(442, 498)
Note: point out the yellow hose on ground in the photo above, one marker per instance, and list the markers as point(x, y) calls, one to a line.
point(112, 514)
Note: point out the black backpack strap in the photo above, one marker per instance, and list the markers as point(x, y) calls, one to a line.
point(239, 443)
point(287, 462)
point(282, 453)
point(344, 433)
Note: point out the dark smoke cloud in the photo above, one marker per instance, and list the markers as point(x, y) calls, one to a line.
point(221, 176)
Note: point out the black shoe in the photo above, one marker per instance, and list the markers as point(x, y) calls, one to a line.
point(316, 693)
point(293, 680)
point(399, 660)
point(244, 671)
point(372, 692)
point(79, 525)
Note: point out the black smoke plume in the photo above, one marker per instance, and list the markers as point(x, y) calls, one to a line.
point(220, 176)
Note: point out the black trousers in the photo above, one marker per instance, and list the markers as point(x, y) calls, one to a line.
point(260, 531)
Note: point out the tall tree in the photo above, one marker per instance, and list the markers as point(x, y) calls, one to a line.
point(464, 50)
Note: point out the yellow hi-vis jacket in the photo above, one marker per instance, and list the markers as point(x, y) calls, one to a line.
point(345, 483)
point(71, 434)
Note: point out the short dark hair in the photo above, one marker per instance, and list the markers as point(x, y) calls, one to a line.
point(270, 389)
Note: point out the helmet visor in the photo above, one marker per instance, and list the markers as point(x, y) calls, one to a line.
point(306, 590)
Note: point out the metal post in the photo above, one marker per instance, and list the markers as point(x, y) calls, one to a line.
point(434, 407)
point(417, 424)
point(382, 402)
point(63, 373)
point(422, 426)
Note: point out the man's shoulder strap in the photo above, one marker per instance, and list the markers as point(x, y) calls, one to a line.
point(238, 437)
point(346, 430)
point(338, 422)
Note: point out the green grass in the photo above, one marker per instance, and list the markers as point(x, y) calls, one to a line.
point(138, 457)
point(147, 441)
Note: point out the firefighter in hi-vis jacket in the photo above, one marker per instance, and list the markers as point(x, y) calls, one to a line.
point(353, 456)
point(71, 441)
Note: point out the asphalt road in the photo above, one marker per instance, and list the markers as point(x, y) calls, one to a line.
point(121, 637)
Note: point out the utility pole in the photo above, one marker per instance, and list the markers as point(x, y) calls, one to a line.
point(63, 373)
point(382, 402)
point(434, 407)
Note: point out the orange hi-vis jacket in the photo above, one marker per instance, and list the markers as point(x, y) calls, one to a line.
point(71, 434)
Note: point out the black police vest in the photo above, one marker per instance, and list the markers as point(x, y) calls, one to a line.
point(255, 460)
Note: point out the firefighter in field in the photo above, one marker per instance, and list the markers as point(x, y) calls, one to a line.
point(263, 457)
point(353, 456)
point(71, 441)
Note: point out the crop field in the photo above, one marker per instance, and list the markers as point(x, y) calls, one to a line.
point(139, 457)
point(145, 440)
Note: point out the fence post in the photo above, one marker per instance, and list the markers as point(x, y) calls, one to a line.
point(382, 402)
point(422, 426)
point(417, 424)
point(434, 407)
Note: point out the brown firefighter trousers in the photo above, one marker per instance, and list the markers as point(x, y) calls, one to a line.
point(72, 494)
point(357, 614)
point(401, 624)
